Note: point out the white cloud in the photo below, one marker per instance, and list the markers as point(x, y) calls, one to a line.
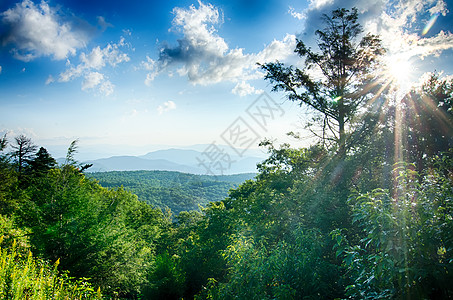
point(28, 132)
point(399, 24)
point(205, 57)
point(94, 61)
point(106, 87)
point(439, 8)
point(150, 65)
point(166, 106)
point(92, 80)
point(295, 14)
point(37, 30)
point(317, 4)
point(96, 79)
point(0, 69)
point(243, 89)
point(395, 29)
point(277, 50)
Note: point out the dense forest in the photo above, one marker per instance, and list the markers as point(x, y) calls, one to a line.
point(172, 190)
point(366, 212)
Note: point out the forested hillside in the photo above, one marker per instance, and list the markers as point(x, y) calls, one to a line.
point(365, 212)
point(174, 190)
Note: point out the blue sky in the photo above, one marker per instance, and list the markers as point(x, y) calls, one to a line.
point(133, 75)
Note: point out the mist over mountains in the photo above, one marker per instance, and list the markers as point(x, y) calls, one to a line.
point(180, 160)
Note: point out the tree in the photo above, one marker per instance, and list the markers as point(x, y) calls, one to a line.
point(427, 120)
point(71, 161)
point(3, 143)
point(3, 157)
point(404, 246)
point(23, 149)
point(7, 180)
point(345, 66)
point(42, 163)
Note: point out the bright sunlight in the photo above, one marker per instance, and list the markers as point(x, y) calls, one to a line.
point(399, 71)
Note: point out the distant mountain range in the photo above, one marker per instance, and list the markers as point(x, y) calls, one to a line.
point(181, 160)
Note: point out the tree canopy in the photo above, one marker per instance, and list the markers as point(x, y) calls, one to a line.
point(337, 80)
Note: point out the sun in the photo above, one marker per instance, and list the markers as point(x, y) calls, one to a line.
point(399, 71)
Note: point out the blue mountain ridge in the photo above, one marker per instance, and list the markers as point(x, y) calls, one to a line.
point(181, 160)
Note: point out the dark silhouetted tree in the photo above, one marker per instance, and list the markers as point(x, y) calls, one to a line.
point(336, 81)
point(23, 150)
point(3, 157)
point(42, 163)
point(3, 143)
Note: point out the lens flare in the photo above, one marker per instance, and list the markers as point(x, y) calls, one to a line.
point(430, 24)
point(399, 72)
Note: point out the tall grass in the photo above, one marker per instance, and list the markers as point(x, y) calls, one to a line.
point(25, 277)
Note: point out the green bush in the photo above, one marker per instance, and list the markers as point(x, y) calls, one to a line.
point(25, 277)
point(405, 248)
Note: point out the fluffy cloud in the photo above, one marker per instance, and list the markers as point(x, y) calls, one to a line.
point(205, 57)
point(150, 65)
point(29, 132)
point(96, 79)
point(295, 14)
point(37, 30)
point(91, 80)
point(0, 69)
point(243, 89)
point(398, 35)
point(317, 4)
point(166, 106)
point(397, 23)
point(40, 30)
point(91, 63)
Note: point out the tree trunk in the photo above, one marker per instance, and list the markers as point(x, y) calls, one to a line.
point(341, 125)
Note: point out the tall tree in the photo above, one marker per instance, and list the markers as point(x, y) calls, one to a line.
point(336, 81)
point(42, 163)
point(23, 150)
point(3, 143)
point(71, 161)
point(427, 121)
point(7, 180)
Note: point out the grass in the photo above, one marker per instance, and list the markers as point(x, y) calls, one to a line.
point(26, 277)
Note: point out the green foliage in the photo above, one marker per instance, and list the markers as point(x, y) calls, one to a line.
point(290, 270)
point(427, 121)
point(200, 243)
point(8, 188)
point(174, 190)
point(295, 187)
point(107, 235)
point(166, 279)
point(405, 249)
point(279, 246)
point(25, 277)
point(13, 234)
